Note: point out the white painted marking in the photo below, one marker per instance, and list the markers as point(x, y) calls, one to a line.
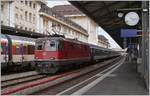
point(98, 74)
point(92, 84)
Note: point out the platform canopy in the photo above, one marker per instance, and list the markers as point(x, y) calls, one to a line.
point(18, 32)
point(105, 14)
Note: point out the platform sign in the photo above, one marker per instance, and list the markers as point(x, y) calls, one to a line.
point(131, 45)
point(128, 33)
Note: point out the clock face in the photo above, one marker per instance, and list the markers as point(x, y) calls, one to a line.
point(132, 18)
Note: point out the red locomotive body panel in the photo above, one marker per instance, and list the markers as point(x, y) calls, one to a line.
point(71, 51)
point(46, 55)
point(54, 53)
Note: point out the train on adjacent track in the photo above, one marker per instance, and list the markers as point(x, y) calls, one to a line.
point(56, 52)
point(17, 52)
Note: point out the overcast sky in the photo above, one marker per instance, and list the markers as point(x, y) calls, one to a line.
point(113, 44)
point(52, 3)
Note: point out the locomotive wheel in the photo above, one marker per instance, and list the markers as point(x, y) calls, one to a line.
point(54, 69)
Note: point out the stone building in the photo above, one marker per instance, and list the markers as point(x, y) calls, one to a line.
point(102, 41)
point(22, 14)
point(77, 16)
point(52, 22)
point(36, 16)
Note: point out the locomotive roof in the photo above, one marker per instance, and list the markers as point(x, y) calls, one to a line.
point(63, 39)
point(75, 41)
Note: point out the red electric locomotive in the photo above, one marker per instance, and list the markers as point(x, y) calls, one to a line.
point(53, 53)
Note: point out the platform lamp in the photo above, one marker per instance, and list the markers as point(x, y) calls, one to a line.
point(120, 14)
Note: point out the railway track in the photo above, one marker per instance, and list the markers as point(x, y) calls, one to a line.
point(5, 78)
point(22, 80)
point(39, 82)
point(71, 86)
point(13, 80)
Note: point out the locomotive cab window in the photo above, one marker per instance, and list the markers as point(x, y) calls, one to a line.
point(39, 47)
point(51, 46)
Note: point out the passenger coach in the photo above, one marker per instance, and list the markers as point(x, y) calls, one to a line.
point(17, 52)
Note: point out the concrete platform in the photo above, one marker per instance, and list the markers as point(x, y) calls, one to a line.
point(123, 81)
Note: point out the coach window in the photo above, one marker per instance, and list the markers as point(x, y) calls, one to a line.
point(24, 49)
point(18, 49)
point(31, 49)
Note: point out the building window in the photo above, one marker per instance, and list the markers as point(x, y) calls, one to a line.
point(34, 19)
point(2, 7)
point(34, 5)
point(26, 2)
point(30, 17)
point(16, 15)
point(16, 26)
point(16, 8)
point(30, 4)
point(25, 28)
point(21, 27)
point(21, 10)
point(21, 17)
point(26, 15)
point(21, 1)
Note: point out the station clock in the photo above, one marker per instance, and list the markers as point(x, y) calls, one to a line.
point(132, 18)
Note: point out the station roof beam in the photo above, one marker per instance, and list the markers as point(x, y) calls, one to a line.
point(105, 14)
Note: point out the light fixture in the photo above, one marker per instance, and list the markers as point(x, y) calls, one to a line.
point(120, 14)
point(132, 18)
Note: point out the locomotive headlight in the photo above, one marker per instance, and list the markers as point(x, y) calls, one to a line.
point(44, 53)
point(36, 57)
point(52, 58)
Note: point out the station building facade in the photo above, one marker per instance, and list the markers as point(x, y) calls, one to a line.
point(77, 16)
point(103, 41)
point(52, 22)
point(21, 14)
point(36, 16)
